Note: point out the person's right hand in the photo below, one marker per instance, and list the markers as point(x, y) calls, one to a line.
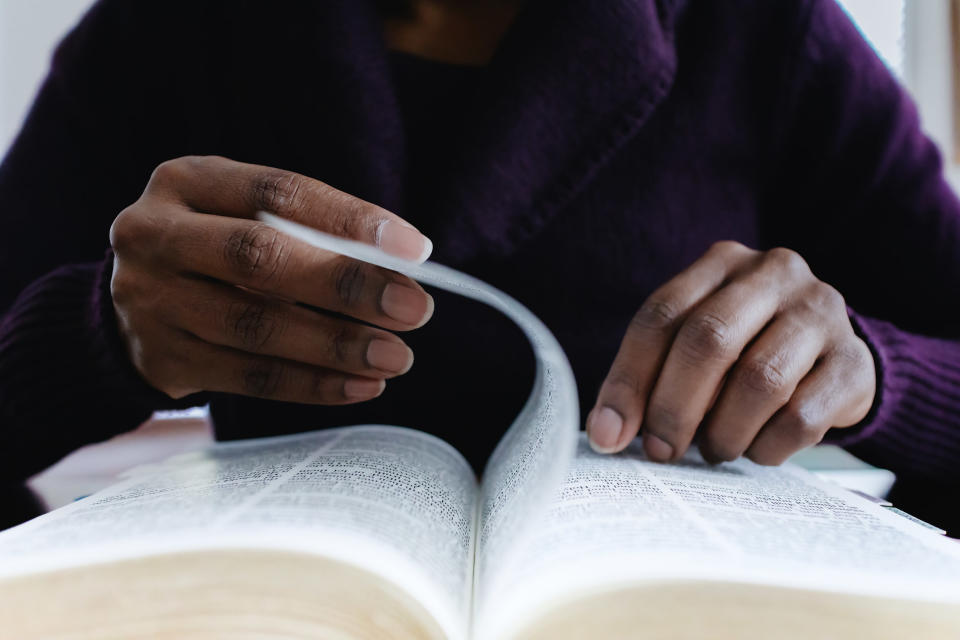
point(205, 296)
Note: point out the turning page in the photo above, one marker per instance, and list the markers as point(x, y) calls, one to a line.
point(397, 502)
point(623, 519)
point(532, 458)
point(401, 503)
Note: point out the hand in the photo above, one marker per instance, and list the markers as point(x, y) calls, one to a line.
point(206, 297)
point(747, 346)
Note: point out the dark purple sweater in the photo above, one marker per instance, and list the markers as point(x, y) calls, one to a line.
point(604, 148)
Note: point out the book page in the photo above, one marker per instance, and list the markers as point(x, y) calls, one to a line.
point(623, 519)
point(531, 459)
point(398, 502)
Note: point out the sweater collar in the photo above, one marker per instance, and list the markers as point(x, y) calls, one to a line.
point(572, 81)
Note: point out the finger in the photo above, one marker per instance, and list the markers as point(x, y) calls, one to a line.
point(210, 184)
point(616, 417)
point(760, 383)
point(227, 316)
point(256, 256)
point(703, 351)
point(834, 393)
point(224, 370)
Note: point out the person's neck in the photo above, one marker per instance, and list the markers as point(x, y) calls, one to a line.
point(463, 32)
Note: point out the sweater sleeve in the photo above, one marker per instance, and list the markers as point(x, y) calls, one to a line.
point(65, 380)
point(860, 193)
point(915, 424)
point(84, 153)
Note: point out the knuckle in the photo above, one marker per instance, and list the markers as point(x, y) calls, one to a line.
point(195, 162)
point(349, 281)
point(128, 230)
point(787, 260)
point(656, 314)
point(256, 252)
point(824, 301)
point(762, 376)
point(277, 191)
point(706, 336)
point(172, 171)
point(728, 247)
point(263, 379)
point(855, 365)
point(798, 418)
point(805, 423)
point(339, 344)
point(852, 354)
point(122, 285)
point(828, 298)
point(252, 324)
point(146, 233)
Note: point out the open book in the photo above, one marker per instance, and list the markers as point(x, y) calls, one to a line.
point(384, 532)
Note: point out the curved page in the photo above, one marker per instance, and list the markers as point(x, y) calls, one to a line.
point(354, 493)
point(532, 458)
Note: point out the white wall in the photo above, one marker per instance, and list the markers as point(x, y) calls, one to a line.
point(882, 22)
point(928, 71)
point(29, 29)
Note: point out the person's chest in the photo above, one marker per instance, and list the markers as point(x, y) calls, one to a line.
point(655, 206)
point(577, 205)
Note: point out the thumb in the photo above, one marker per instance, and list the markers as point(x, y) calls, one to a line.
point(618, 413)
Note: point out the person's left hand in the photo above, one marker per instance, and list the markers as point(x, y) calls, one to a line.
point(749, 347)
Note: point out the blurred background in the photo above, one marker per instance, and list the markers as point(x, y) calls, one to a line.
point(917, 38)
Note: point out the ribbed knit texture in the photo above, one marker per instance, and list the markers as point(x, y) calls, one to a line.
point(915, 426)
point(605, 147)
point(62, 364)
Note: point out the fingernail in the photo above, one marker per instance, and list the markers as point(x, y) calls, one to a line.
point(405, 304)
point(404, 241)
point(389, 356)
point(603, 428)
point(657, 449)
point(359, 388)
